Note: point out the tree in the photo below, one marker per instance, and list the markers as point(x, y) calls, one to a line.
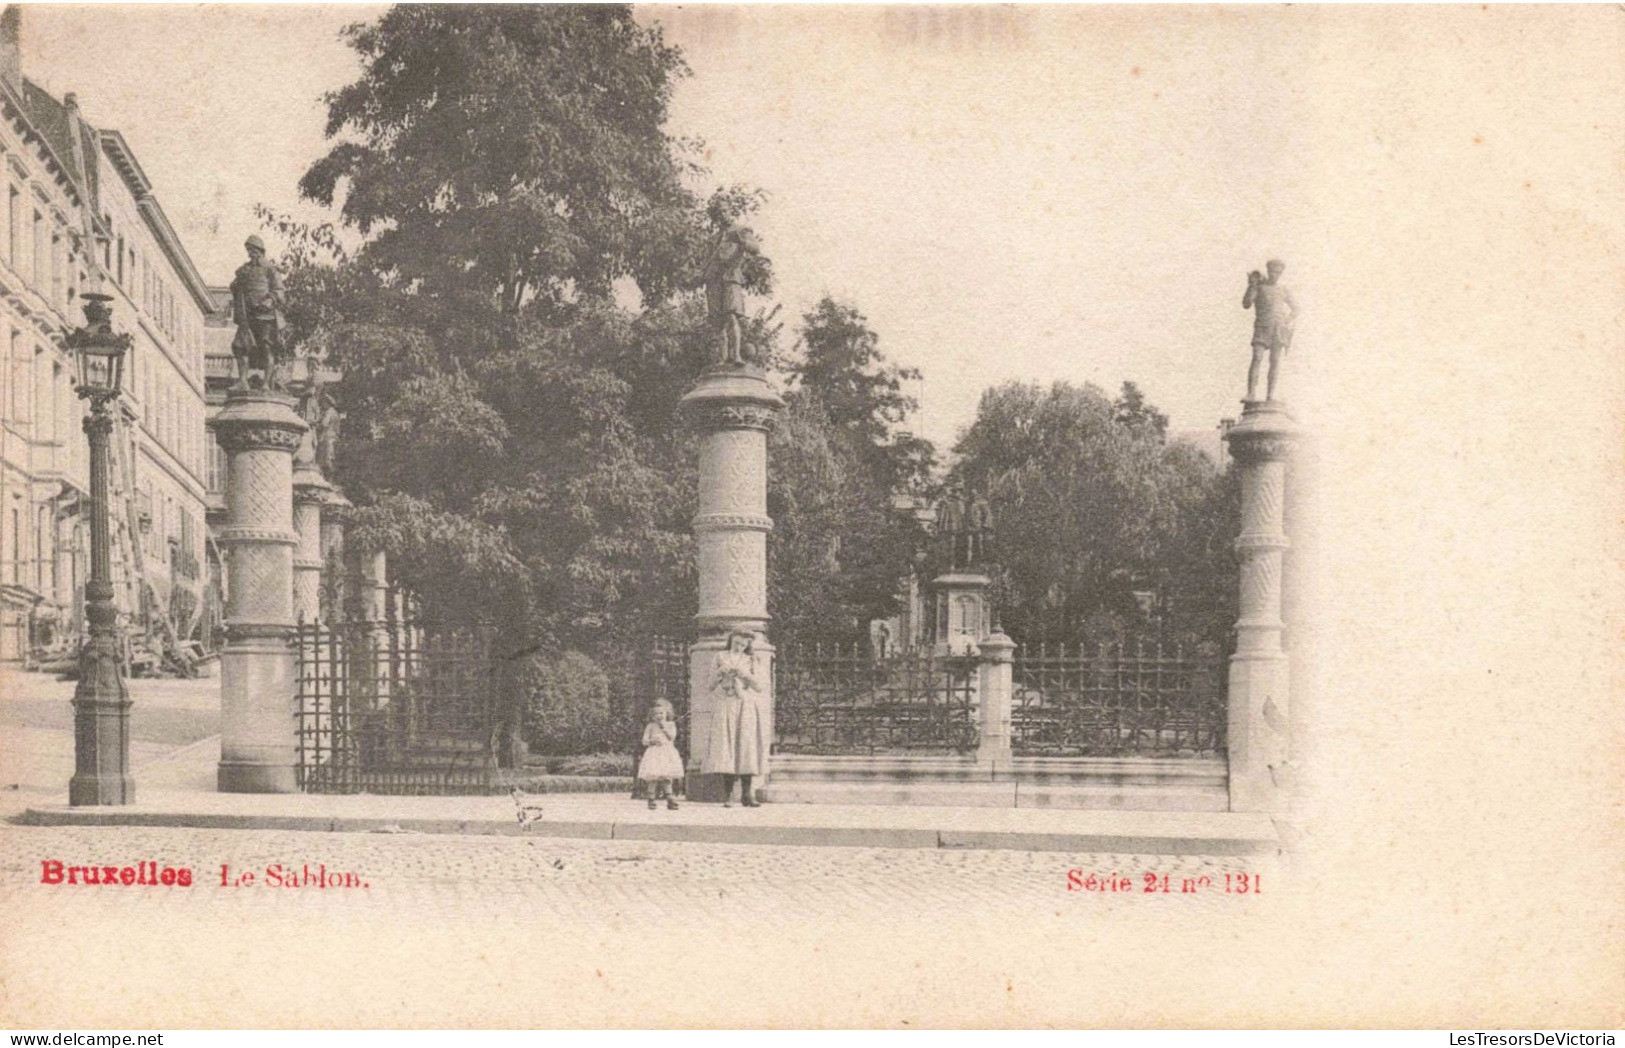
point(520, 319)
point(842, 462)
point(1092, 507)
point(514, 152)
point(1132, 410)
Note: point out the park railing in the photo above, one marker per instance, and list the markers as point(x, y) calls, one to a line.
point(1118, 699)
point(395, 706)
point(843, 699)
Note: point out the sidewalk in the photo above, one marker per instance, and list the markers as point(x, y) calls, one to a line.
point(616, 817)
point(178, 791)
point(174, 777)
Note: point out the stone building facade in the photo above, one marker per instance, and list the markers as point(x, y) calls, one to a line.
point(78, 214)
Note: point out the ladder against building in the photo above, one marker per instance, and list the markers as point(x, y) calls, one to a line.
point(152, 641)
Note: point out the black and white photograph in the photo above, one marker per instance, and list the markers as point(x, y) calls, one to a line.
point(582, 516)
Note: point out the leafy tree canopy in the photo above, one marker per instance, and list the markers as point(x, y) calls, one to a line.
point(1091, 507)
point(513, 151)
point(844, 472)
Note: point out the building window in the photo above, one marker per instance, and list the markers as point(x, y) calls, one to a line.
point(22, 386)
point(214, 469)
point(45, 553)
point(8, 216)
point(14, 227)
point(58, 287)
point(42, 253)
point(15, 545)
point(59, 421)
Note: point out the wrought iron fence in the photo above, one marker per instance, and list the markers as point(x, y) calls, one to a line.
point(1117, 700)
point(842, 699)
point(668, 679)
point(396, 707)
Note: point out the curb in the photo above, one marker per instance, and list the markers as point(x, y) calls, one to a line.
point(801, 836)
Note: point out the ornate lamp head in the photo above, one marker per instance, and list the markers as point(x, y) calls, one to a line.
point(99, 350)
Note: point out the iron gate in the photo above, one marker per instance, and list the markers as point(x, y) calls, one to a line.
point(396, 707)
point(1118, 700)
point(842, 699)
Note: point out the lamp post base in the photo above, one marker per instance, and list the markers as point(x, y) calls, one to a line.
point(101, 727)
point(85, 791)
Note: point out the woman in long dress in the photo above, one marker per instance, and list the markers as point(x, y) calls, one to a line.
point(738, 740)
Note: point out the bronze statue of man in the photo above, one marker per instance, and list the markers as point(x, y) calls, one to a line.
point(981, 529)
point(1274, 313)
point(951, 524)
point(725, 296)
point(256, 309)
point(328, 420)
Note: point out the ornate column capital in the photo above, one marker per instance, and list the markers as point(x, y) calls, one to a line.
point(258, 419)
point(732, 398)
point(1266, 433)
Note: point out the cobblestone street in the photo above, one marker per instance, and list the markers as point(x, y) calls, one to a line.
point(507, 930)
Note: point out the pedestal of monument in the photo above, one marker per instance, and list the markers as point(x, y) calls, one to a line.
point(259, 738)
point(311, 493)
point(961, 611)
point(733, 408)
point(1258, 744)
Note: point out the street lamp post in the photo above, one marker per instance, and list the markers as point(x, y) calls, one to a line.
point(101, 703)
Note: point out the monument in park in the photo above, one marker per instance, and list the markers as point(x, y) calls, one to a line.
point(1262, 444)
point(732, 406)
point(961, 617)
point(260, 431)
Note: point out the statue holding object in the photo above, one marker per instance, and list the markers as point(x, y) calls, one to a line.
point(256, 308)
point(725, 296)
point(1274, 314)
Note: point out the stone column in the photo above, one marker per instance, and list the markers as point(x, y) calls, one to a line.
point(259, 737)
point(995, 695)
point(733, 408)
point(334, 573)
point(310, 493)
point(1257, 725)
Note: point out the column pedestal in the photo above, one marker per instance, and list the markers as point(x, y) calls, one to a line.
point(961, 612)
point(1259, 676)
point(334, 514)
point(259, 735)
point(733, 408)
point(311, 492)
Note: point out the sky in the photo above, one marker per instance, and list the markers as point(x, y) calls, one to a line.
point(1006, 194)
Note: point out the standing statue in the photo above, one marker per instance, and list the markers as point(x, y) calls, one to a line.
point(328, 418)
point(256, 309)
point(981, 530)
point(1275, 311)
point(725, 296)
point(951, 524)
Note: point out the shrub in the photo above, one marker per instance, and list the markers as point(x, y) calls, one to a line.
point(565, 704)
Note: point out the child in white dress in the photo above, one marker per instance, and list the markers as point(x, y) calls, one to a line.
point(661, 764)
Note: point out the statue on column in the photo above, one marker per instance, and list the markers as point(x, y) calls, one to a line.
point(328, 419)
point(256, 308)
point(725, 296)
point(1274, 313)
point(980, 527)
point(951, 524)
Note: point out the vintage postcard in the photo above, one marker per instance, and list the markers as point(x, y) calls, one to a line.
point(823, 516)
